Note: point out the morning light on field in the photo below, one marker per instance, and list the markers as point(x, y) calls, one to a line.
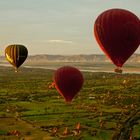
point(70, 70)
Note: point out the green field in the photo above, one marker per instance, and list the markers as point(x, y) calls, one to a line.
point(107, 107)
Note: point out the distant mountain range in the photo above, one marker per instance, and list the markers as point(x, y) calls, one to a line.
point(77, 58)
point(73, 58)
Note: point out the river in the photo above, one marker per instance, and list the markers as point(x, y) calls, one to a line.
point(81, 69)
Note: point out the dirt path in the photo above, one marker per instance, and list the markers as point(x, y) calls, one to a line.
point(124, 132)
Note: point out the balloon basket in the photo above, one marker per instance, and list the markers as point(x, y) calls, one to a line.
point(16, 70)
point(118, 70)
point(68, 102)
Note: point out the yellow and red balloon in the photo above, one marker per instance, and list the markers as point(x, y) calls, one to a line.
point(16, 55)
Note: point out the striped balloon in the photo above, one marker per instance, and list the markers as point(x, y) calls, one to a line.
point(16, 54)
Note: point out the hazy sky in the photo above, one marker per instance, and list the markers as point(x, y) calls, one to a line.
point(55, 26)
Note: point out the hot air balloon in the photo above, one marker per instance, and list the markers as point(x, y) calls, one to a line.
point(68, 82)
point(117, 32)
point(16, 54)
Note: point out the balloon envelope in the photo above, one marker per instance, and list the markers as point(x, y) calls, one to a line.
point(16, 54)
point(117, 32)
point(68, 82)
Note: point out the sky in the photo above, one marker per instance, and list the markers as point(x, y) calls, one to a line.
point(55, 26)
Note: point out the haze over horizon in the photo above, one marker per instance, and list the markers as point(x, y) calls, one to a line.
point(52, 27)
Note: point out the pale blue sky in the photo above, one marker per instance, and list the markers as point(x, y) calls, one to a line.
point(55, 26)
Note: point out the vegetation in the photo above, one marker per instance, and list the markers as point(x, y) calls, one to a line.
point(107, 107)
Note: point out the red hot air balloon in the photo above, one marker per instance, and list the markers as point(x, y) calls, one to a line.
point(68, 82)
point(117, 32)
